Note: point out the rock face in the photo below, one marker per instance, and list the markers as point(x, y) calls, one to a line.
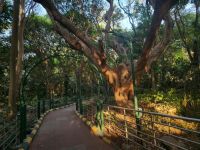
point(171, 143)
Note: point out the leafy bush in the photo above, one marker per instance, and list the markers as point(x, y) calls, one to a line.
point(190, 108)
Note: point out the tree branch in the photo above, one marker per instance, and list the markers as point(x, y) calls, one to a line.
point(161, 10)
point(65, 22)
point(159, 48)
point(182, 35)
point(108, 18)
point(1, 5)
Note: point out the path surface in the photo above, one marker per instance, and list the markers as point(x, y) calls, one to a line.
point(63, 130)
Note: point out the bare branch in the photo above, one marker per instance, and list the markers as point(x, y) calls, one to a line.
point(129, 14)
point(30, 6)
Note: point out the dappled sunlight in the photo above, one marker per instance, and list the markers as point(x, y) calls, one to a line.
point(79, 65)
point(96, 131)
point(152, 130)
point(122, 95)
point(161, 125)
point(111, 76)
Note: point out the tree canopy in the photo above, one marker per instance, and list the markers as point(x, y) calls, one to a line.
point(88, 39)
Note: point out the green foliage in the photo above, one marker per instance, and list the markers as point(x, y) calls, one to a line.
point(4, 68)
point(55, 61)
point(60, 66)
point(158, 96)
point(171, 96)
point(6, 17)
point(40, 21)
point(190, 108)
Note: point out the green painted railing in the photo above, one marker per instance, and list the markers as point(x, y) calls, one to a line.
point(157, 130)
point(13, 132)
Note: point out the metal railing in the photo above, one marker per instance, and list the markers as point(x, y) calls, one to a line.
point(14, 131)
point(9, 133)
point(89, 111)
point(154, 130)
point(151, 131)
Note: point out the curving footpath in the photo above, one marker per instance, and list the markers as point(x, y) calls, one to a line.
point(63, 130)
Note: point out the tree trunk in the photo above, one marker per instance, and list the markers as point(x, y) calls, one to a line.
point(121, 81)
point(20, 55)
point(121, 96)
point(153, 80)
point(16, 56)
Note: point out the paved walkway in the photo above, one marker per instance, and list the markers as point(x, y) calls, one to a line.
point(63, 130)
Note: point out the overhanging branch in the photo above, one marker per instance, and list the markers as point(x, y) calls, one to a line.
point(161, 9)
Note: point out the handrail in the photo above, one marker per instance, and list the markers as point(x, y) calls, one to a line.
point(150, 132)
point(10, 132)
point(158, 114)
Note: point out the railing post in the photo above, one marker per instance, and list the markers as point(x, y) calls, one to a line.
point(66, 100)
point(152, 126)
point(43, 106)
point(81, 106)
point(99, 116)
point(109, 119)
point(4, 131)
point(169, 125)
point(50, 104)
point(138, 123)
point(38, 108)
point(91, 112)
point(125, 125)
point(16, 129)
point(138, 114)
point(86, 111)
point(23, 122)
point(77, 107)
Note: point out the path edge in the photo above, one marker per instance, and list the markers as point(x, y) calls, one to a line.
point(29, 138)
point(90, 125)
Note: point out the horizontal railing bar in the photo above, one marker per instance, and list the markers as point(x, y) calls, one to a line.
point(176, 127)
point(7, 139)
point(158, 114)
point(11, 141)
point(157, 138)
point(125, 138)
point(150, 136)
point(144, 139)
point(7, 125)
point(147, 142)
point(194, 142)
